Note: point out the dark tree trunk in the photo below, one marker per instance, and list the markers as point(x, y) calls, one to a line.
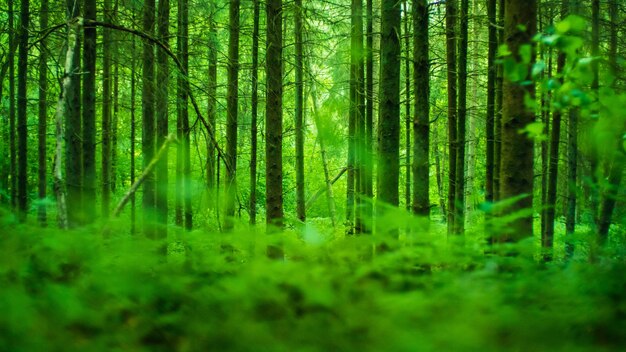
point(232, 98)
point(368, 172)
point(300, 201)
point(89, 114)
point(389, 105)
point(451, 47)
point(497, 134)
point(148, 120)
point(407, 106)
point(595, 86)
point(184, 211)
point(12, 145)
point(459, 217)
point(254, 101)
point(491, 99)
point(517, 149)
point(356, 96)
point(274, 122)
point(106, 111)
point(162, 117)
point(43, 117)
point(421, 120)
point(22, 123)
point(133, 135)
point(73, 130)
point(211, 167)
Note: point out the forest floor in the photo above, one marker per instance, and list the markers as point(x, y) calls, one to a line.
point(82, 291)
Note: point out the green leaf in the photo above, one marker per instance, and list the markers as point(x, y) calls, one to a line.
point(538, 69)
point(526, 53)
point(503, 50)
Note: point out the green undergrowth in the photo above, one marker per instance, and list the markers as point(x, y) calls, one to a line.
point(88, 291)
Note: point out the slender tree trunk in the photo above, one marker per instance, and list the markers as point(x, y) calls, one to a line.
point(497, 135)
point(617, 159)
point(595, 86)
point(439, 175)
point(43, 117)
point(472, 141)
point(12, 145)
point(451, 19)
point(89, 114)
point(274, 122)
point(148, 121)
point(407, 106)
point(133, 135)
point(517, 149)
point(211, 167)
point(22, 123)
point(356, 93)
point(421, 119)
point(106, 111)
point(162, 116)
point(367, 156)
point(299, 123)
point(116, 103)
point(459, 216)
point(572, 163)
point(232, 98)
point(73, 128)
point(184, 114)
point(491, 99)
point(389, 105)
point(254, 111)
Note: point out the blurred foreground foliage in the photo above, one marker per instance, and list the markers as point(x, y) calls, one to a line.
point(89, 291)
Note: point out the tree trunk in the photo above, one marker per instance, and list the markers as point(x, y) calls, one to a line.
point(517, 149)
point(452, 110)
point(299, 123)
point(367, 171)
point(595, 86)
point(491, 97)
point(106, 111)
point(162, 116)
point(43, 117)
point(73, 128)
point(12, 145)
point(497, 134)
point(254, 107)
point(274, 122)
point(459, 217)
point(133, 135)
point(184, 114)
point(148, 121)
point(211, 166)
point(421, 119)
point(22, 123)
point(389, 105)
point(407, 106)
point(232, 98)
point(356, 96)
point(89, 114)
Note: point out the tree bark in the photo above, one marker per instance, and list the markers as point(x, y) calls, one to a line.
point(356, 96)
point(106, 111)
point(43, 118)
point(421, 119)
point(89, 114)
point(22, 123)
point(299, 123)
point(12, 137)
point(497, 135)
point(389, 106)
point(517, 149)
point(274, 122)
point(459, 217)
point(491, 83)
point(148, 121)
point(254, 112)
point(162, 116)
point(451, 19)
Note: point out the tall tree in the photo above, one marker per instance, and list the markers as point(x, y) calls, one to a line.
point(497, 134)
point(254, 101)
point(89, 114)
point(407, 105)
point(162, 116)
point(184, 212)
point(451, 19)
point(107, 86)
point(459, 216)
point(389, 104)
point(12, 144)
point(133, 132)
point(595, 86)
point(299, 123)
point(520, 22)
point(491, 97)
point(43, 116)
point(232, 99)
point(274, 120)
point(73, 128)
point(356, 93)
point(148, 121)
point(22, 123)
point(421, 119)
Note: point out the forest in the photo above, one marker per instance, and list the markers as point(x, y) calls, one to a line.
point(293, 175)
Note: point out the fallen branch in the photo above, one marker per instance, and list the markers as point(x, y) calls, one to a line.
point(323, 190)
point(133, 189)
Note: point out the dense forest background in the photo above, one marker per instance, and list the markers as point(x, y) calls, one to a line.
point(373, 147)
